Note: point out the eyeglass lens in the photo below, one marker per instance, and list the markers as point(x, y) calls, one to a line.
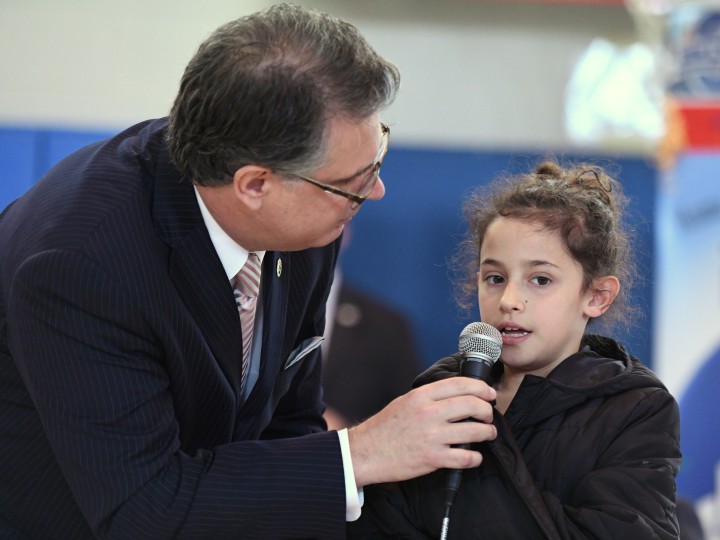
point(371, 177)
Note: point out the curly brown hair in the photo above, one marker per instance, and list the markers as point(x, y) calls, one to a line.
point(582, 202)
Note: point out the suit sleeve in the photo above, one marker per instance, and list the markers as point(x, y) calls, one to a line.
point(95, 372)
point(300, 410)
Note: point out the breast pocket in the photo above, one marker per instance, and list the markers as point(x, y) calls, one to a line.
point(301, 351)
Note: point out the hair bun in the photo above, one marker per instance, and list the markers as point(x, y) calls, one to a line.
point(548, 168)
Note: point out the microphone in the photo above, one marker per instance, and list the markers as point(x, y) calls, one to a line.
point(480, 345)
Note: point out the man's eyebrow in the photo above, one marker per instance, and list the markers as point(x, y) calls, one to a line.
point(355, 174)
point(364, 169)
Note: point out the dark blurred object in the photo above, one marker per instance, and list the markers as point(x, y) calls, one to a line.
point(690, 526)
point(370, 358)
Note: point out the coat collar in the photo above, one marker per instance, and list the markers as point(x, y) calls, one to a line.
point(601, 368)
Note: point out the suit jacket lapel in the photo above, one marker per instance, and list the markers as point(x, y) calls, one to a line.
point(275, 292)
point(195, 268)
point(276, 281)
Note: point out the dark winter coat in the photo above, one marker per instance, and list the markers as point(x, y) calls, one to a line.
point(591, 451)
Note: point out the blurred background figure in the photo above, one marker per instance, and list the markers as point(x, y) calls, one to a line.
point(369, 354)
point(690, 526)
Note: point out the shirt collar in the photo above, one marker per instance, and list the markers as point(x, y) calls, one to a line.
point(232, 255)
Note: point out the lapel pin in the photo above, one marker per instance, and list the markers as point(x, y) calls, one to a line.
point(278, 268)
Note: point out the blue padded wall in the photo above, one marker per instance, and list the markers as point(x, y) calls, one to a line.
point(17, 163)
point(27, 154)
point(400, 246)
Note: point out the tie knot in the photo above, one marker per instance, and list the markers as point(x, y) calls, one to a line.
point(248, 278)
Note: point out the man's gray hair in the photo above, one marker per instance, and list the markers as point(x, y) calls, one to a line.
point(261, 89)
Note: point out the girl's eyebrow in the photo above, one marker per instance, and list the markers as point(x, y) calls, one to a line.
point(532, 263)
point(490, 262)
point(540, 262)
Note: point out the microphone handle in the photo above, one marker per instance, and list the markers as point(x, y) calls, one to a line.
point(475, 368)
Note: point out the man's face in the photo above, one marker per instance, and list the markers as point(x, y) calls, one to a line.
point(304, 215)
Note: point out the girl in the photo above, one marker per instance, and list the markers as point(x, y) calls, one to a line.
point(588, 437)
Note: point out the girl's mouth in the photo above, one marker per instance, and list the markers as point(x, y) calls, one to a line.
point(513, 335)
point(513, 331)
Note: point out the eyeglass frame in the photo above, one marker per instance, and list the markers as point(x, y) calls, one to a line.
point(373, 169)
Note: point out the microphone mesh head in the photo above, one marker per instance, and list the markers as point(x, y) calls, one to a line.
point(480, 338)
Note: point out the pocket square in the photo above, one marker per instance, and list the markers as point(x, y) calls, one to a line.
point(306, 347)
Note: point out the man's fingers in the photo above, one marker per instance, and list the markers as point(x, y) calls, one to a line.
point(469, 432)
point(419, 432)
point(458, 386)
point(458, 458)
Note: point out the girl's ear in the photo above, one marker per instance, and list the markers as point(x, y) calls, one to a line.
point(602, 292)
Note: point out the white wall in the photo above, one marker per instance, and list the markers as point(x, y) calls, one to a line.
point(475, 74)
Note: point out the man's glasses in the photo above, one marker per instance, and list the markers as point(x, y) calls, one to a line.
point(366, 179)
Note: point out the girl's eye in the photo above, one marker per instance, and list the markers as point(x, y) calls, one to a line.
point(493, 279)
point(541, 280)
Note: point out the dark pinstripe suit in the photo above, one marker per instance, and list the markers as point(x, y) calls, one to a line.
point(120, 366)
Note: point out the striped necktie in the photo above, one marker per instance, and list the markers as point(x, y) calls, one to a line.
point(247, 285)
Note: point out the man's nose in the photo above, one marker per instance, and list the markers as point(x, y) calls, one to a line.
point(378, 191)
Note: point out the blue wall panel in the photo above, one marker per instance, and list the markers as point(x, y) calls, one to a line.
point(58, 144)
point(17, 163)
point(400, 246)
point(27, 154)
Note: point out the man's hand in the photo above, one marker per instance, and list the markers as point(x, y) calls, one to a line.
point(414, 434)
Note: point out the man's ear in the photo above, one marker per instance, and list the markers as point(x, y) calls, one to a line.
point(251, 183)
point(602, 291)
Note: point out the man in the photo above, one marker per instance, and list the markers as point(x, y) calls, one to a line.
point(134, 401)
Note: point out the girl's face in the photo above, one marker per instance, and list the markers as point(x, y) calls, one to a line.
point(531, 289)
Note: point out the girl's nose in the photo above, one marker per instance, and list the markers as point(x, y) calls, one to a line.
point(512, 299)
